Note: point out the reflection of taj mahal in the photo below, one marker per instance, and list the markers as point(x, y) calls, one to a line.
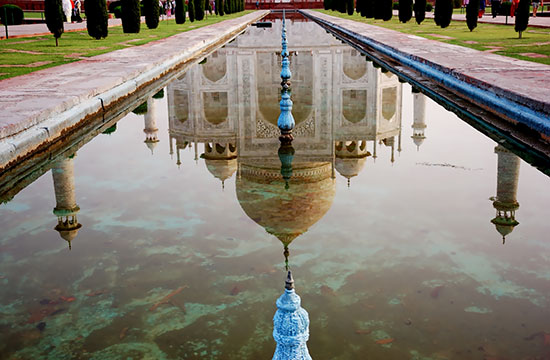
point(344, 108)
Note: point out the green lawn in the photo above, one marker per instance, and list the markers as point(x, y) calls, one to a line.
point(500, 39)
point(36, 53)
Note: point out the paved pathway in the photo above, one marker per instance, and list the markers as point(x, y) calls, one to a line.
point(38, 107)
point(512, 86)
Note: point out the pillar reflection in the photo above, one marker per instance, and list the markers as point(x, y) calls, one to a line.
point(66, 208)
point(505, 201)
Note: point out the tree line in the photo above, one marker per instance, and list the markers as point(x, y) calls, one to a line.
point(383, 10)
point(131, 11)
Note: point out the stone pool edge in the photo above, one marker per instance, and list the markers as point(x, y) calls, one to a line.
point(43, 127)
point(535, 113)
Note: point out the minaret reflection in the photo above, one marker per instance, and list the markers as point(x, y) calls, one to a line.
point(419, 119)
point(151, 130)
point(221, 160)
point(66, 207)
point(505, 202)
point(290, 325)
point(350, 158)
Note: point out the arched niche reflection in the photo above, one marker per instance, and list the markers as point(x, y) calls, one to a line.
point(215, 107)
point(268, 80)
point(215, 67)
point(354, 65)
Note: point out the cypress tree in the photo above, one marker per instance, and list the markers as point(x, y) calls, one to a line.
point(350, 6)
point(387, 9)
point(419, 11)
point(152, 13)
point(221, 6)
point(96, 18)
point(342, 5)
point(378, 9)
point(180, 12)
point(522, 16)
point(216, 4)
point(199, 9)
point(333, 5)
point(53, 10)
point(131, 16)
point(226, 6)
point(367, 9)
point(358, 5)
point(191, 10)
point(443, 12)
point(326, 4)
point(471, 14)
point(405, 10)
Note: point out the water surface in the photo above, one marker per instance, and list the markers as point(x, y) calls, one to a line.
point(163, 239)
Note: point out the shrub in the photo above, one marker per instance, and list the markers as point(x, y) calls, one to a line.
point(350, 5)
point(522, 16)
point(199, 9)
point(180, 12)
point(420, 10)
point(429, 7)
point(367, 9)
point(113, 5)
point(405, 10)
point(159, 94)
point(387, 11)
point(443, 12)
point(117, 11)
point(11, 14)
point(141, 109)
point(191, 10)
point(505, 8)
point(96, 18)
point(131, 16)
point(53, 11)
point(471, 14)
point(152, 13)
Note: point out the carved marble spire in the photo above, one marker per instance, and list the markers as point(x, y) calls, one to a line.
point(290, 325)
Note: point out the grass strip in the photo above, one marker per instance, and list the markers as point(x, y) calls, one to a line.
point(21, 56)
point(498, 39)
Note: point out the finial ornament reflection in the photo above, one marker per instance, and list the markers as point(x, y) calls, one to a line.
point(285, 123)
point(290, 325)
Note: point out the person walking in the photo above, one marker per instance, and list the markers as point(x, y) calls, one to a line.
point(535, 4)
point(513, 7)
point(481, 9)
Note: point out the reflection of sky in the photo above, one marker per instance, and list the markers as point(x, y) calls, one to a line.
point(406, 253)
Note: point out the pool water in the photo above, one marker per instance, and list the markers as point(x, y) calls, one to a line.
point(411, 235)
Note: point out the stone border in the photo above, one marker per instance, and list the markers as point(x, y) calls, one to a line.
point(520, 107)
point(26, 124)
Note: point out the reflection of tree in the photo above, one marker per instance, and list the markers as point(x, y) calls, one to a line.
point(505, 202)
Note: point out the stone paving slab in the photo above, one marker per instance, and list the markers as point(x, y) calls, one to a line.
point(527, 84)
point(46, 102)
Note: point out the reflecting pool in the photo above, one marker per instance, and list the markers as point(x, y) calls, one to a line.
point(410, 235)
